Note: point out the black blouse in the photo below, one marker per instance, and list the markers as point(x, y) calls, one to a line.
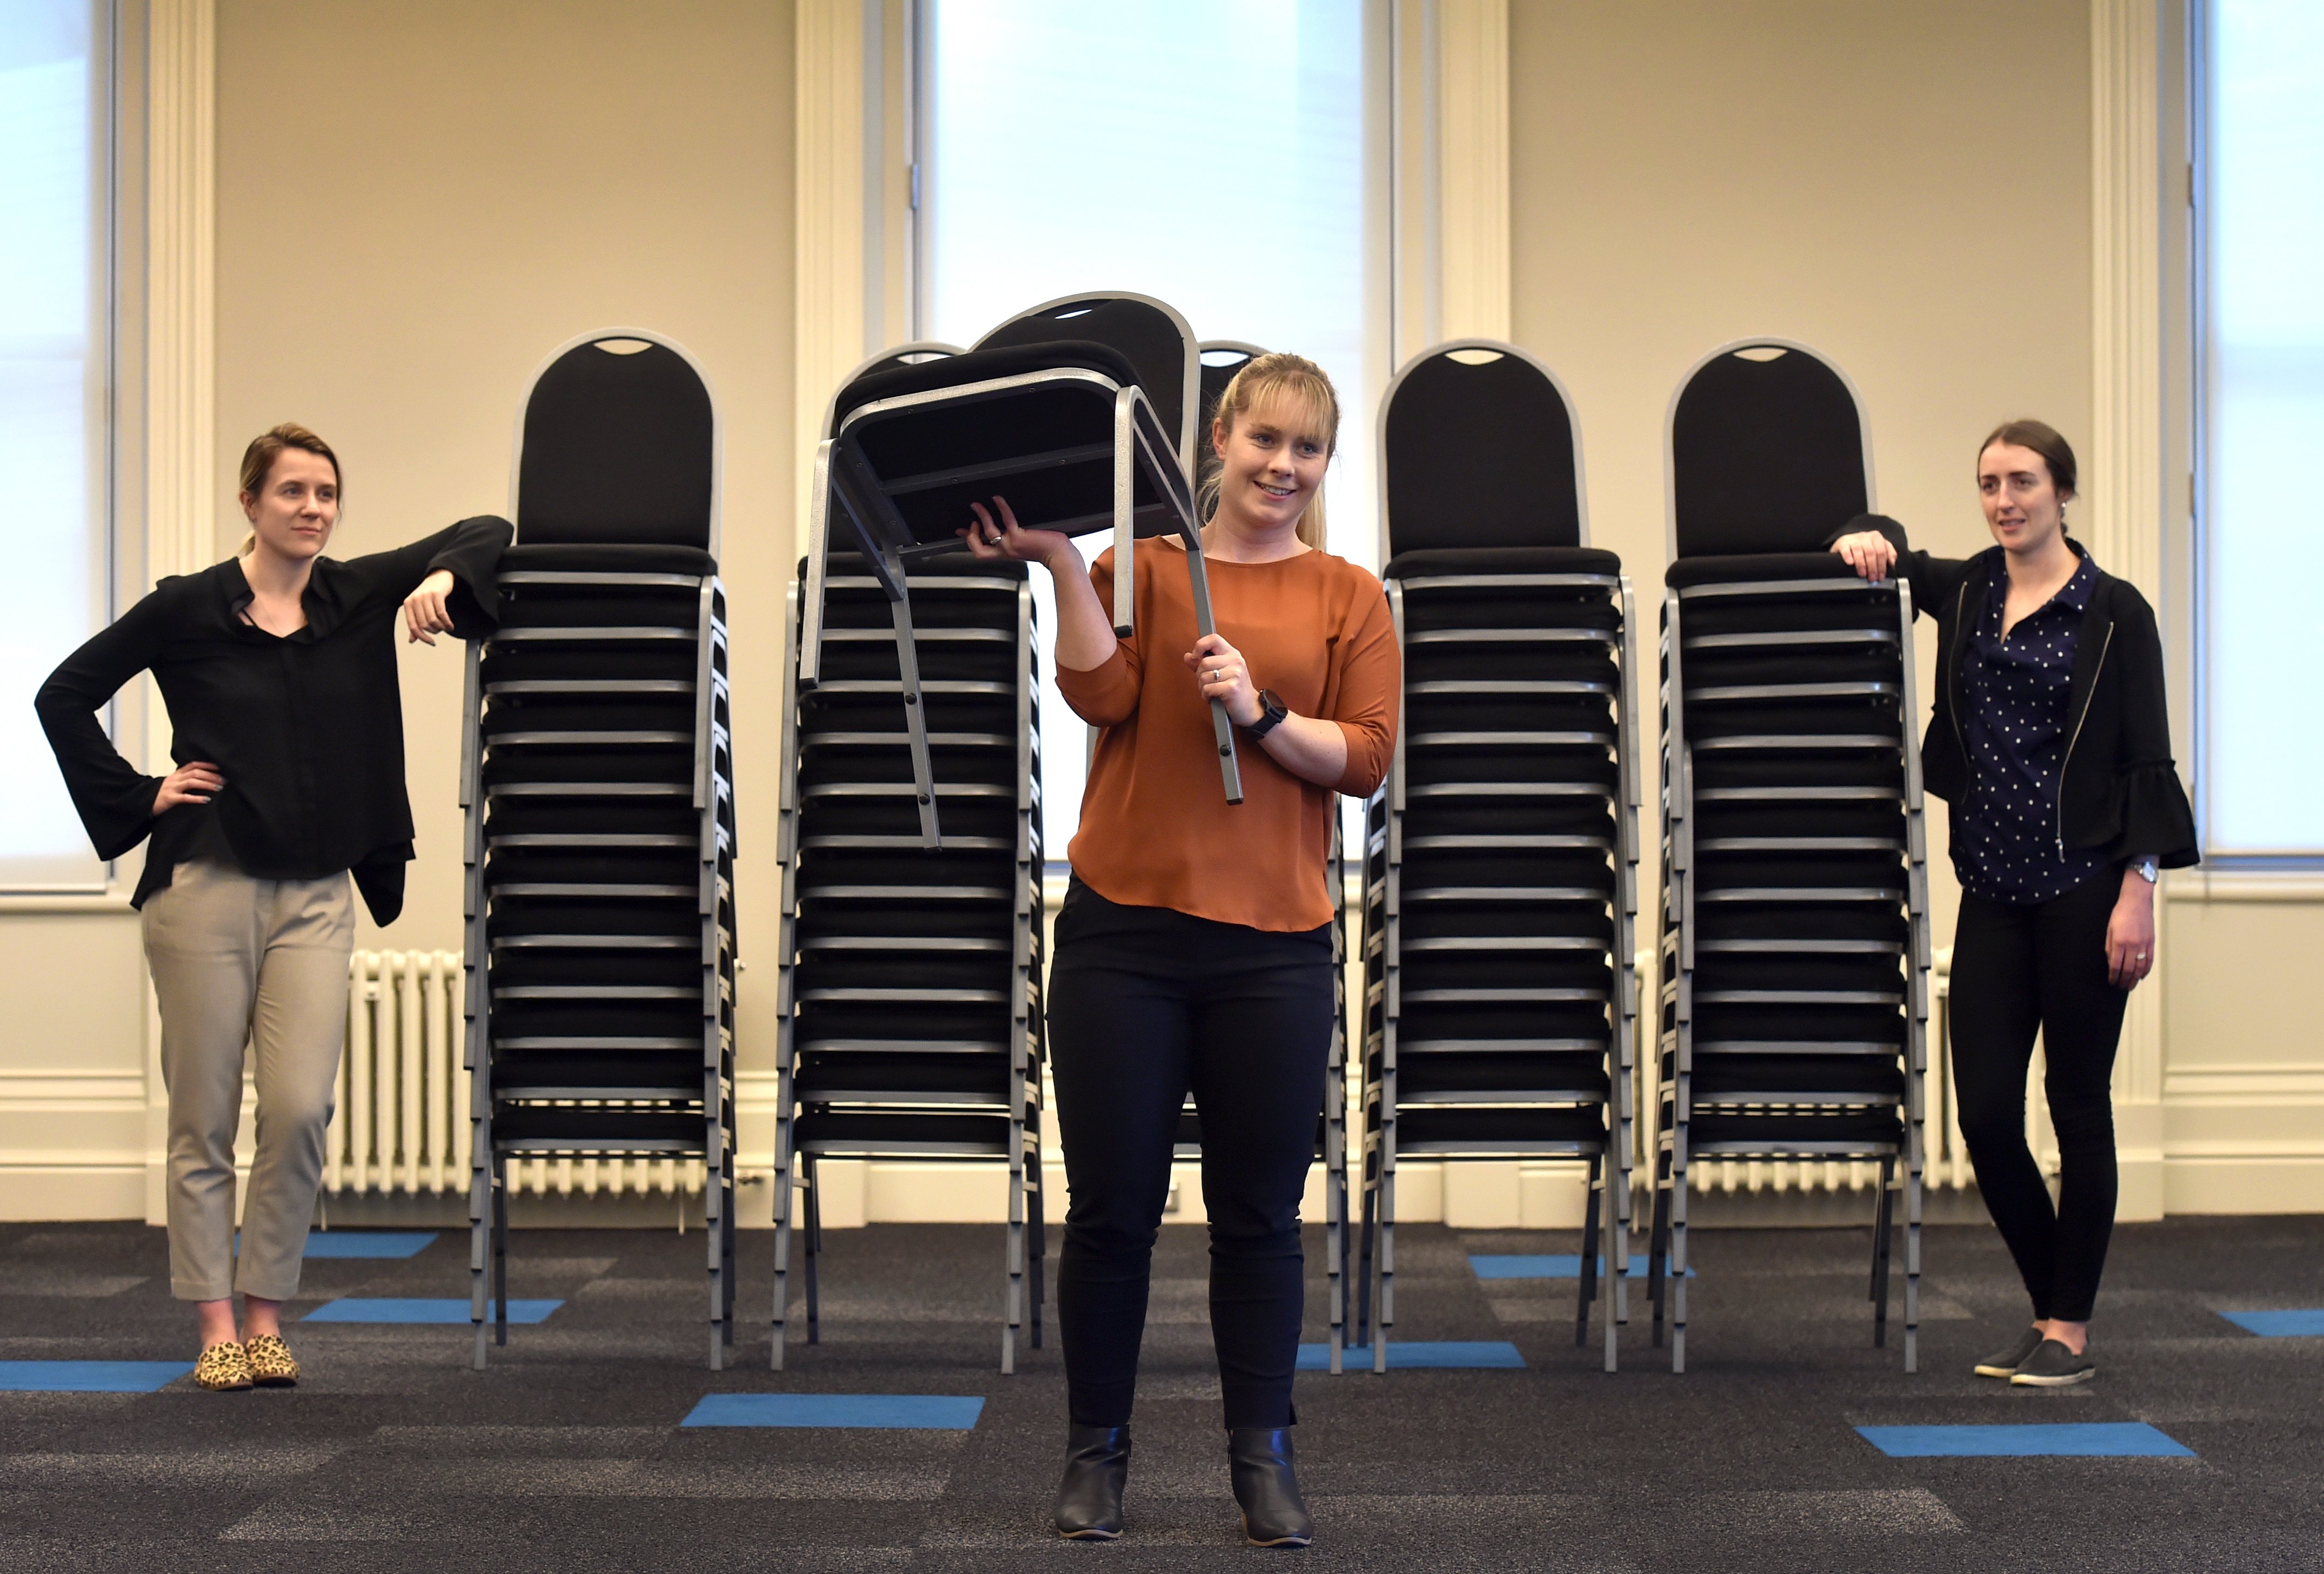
point(2014, 730)
point(307, 729)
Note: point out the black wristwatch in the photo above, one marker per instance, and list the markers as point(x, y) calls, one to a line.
point(1271, 712)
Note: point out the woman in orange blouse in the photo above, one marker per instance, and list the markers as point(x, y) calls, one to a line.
point(1193, 951)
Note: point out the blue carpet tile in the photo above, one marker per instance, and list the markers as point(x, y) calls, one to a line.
point(1551, 1266)
point(2279, 1324)
point(89, 1376)
point(2081, 1440)
point(356, 1310)
point(893, 1411)
point(1420, 1355)
point(386, 1244)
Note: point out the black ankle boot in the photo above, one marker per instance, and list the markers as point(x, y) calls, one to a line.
point(1089, 1499)
point(1259, 1458)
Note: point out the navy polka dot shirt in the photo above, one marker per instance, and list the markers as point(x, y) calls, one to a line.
point(2006, 847)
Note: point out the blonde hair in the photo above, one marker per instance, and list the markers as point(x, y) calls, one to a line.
point(258, 462)
point(1262, 379)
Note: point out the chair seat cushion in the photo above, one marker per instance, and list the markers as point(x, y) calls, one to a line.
point(1750, 567)
point(981, 367)
point(1501, 560)
point(608, 558)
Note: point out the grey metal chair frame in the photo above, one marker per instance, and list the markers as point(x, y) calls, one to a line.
point(710, 790)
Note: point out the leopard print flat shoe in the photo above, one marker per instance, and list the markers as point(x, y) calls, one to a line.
point(223, 1367)
point(272, 1363)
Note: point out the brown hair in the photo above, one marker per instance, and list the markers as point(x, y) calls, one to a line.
point(2043, 439)
point(1261, 378)
point(258, 461)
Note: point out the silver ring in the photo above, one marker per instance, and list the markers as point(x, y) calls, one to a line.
point(2140, 957)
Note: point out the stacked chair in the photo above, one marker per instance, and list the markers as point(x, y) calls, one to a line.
point(911, 821)
point(909, 1015)
point(597, 780)
point(1501, 854)
point(1794, 939)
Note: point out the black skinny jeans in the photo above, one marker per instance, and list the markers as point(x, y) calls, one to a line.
point(1146, 1004)
point(2016, 969)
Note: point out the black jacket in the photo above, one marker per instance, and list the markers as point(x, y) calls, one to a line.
point(2118, 791)
point(306, 730)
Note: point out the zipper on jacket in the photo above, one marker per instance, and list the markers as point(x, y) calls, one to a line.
point(2096, 672)
point(1960, 603)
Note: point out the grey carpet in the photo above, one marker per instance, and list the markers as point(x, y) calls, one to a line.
point(567, 1454)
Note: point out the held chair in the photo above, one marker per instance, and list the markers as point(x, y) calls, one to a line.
point(1501, 853)
point(1794, 942)
point(1079, 412)
point(597, 779)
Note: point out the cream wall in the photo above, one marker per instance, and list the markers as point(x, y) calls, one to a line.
point(414, 204)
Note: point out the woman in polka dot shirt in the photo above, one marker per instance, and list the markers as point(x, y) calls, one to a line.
point(2051, 741)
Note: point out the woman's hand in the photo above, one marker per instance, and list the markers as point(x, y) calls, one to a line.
point(1223, 675)
point(425, 614)
point(2130, 932)
point(1011, 542)
point(1869, 552)
point(192, 783)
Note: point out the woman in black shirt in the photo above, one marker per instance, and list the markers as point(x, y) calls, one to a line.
point(288, 736)
point(2050, 740)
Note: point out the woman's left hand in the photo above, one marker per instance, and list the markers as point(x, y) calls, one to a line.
point(425, 614)
point(2130, 934)
point(1223, 675)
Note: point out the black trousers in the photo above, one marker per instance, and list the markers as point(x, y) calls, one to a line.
point(1145, 1005)
point(2014, 970)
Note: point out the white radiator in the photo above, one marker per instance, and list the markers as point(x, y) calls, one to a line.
point(402, 1123)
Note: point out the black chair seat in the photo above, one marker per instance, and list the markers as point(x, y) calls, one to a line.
point(1799, 1023)
point(838, 1132)
point(1777, 1134)
point(1550, 1129)
point(522, 1128)
point(1501, 560)
point(1719, 1077)
point(607, 558)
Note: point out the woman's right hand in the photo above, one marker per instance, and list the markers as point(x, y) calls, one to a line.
point(1869, 552)
point(192, 782)
point(1012, 542)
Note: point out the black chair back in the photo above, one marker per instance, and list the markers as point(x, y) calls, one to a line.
point(1150, 335)
point(1767, 453)
point(620, 449)
point(1477, 448)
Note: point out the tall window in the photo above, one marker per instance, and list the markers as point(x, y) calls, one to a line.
point(53, 308)
point(1208, 153)
point(2263, 424)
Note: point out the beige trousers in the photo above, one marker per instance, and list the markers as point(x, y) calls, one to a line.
point(260, 964)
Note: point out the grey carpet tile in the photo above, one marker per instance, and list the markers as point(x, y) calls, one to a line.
point(32, 1279)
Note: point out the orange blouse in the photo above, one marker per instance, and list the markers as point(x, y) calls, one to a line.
point(1157, 829)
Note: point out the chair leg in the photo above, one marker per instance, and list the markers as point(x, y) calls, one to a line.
point(1588, 1287)
point(814, 1246)
point(500, 1250)
point(1880, 1253)
point(1658, 1252)
point(1036, 1251)
point(1363, 1275)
